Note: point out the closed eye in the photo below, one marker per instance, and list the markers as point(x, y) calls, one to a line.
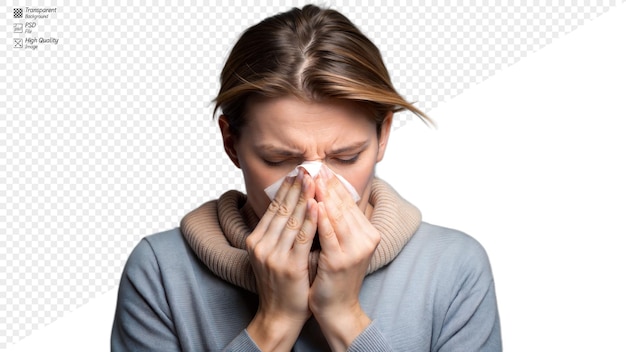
point(282, 162)
point(348, 160)
point(273, 163)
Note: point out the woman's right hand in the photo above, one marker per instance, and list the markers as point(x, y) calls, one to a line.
point(279, 250)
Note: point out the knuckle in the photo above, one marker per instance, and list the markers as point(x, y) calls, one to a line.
point(329, 234)
point(292, 223)
point(273, 262)
point(302, 237)
point(258, 252)
point(274, 206)
point(377, 238)
point(283, 210)
point(372, 234)
point(337, 217)
point(250, 242)
point(252, 239)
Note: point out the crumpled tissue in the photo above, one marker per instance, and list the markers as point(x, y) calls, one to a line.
point(313, 168)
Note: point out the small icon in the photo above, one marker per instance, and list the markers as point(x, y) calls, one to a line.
point(18, 27)
point(18, 43)
point(18, 13)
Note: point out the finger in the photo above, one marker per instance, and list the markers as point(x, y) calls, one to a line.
point(283, 215)
point(345, 216)
point(330, 185)
point(304, 239)
point(274, 205)
point(327, 235)
point(336, 197)
point(271, 211)
point(294, 223)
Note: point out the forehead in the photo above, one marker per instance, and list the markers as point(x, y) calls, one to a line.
point(294, 122)
point(292, 109)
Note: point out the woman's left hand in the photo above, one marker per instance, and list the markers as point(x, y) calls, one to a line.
point(348, 241)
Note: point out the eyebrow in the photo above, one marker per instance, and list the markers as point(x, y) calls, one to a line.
point(283, 151)
point(351, 147)
point(278, 150)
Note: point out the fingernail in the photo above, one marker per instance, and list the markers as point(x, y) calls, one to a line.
point(300, 174)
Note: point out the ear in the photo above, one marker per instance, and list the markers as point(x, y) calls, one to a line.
point(229, 140)
point(385, 130)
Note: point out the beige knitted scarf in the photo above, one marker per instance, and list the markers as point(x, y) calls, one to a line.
point(217, 232)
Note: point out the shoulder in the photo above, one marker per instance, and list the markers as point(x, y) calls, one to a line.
point(157, 251)
point(449, 242)
point(463, 290)
point(159, 244)
point(452, 254)
point(147, 310)
point(172, 239)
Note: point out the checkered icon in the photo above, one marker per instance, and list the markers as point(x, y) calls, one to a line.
point(18, 13)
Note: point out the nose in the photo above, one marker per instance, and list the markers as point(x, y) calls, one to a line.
point(312, 167)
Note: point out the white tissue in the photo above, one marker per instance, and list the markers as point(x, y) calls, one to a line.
point(313, 168)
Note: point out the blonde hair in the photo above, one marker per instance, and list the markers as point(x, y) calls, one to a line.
point(314, 54)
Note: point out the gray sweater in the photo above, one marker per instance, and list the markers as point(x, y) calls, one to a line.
point(436, 295)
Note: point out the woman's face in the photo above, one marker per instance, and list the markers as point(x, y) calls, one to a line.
point(281, 133)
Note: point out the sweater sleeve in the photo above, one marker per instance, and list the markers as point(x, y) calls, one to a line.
point(242, 343)
point(471, 322)
point(143, 321)
point(371, 339)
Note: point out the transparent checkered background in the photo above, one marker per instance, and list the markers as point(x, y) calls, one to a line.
point(108, 136)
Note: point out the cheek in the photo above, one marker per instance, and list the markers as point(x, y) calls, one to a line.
point(255, 184)
point(258, 175)
point(361, 181)
point(359, 176)
point(257, 181)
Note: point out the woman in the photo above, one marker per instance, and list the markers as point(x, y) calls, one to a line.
point(319, 254)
